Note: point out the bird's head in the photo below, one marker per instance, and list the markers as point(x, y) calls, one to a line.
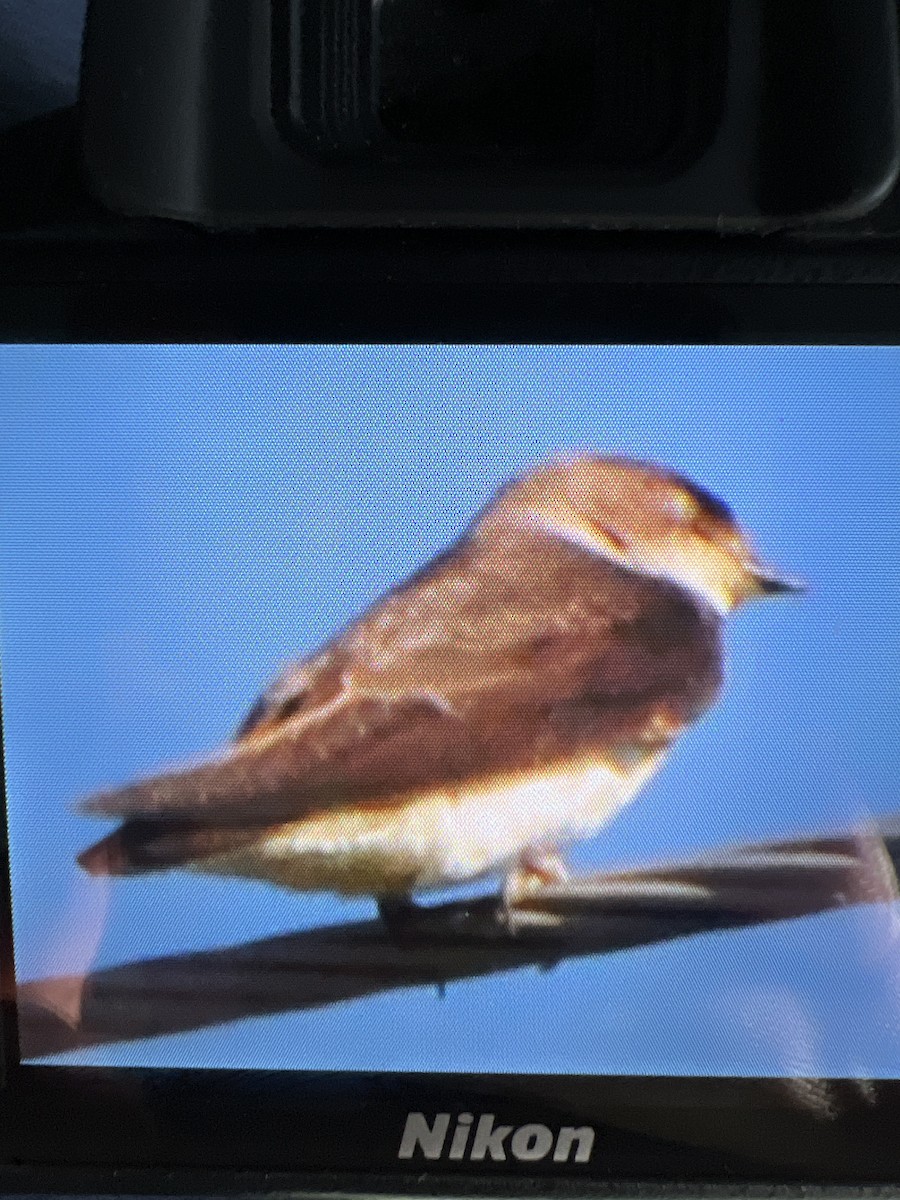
point(646, 519)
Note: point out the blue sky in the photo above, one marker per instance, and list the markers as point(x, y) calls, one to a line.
point(177, 522)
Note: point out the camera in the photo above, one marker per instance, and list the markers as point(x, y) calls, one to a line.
point(448, 457)
point(602, 114)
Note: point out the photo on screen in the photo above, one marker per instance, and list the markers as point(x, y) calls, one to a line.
point(486, 709)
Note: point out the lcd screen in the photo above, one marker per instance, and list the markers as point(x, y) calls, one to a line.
point(487, 709)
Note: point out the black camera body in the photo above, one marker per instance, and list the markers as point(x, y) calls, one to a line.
point(349, 173)
point(599, 114)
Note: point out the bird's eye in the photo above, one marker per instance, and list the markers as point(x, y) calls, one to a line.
point(680, 506)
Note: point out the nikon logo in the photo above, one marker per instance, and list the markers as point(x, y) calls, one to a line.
point(476, 1142)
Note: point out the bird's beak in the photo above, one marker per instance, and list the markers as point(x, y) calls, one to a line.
point(769, 582)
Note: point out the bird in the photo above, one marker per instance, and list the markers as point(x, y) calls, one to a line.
point(503, 703)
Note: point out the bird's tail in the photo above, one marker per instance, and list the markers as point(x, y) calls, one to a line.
point(140, 846)
point(111, 856)
point(171, 819)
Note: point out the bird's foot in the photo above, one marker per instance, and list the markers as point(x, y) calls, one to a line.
point(407, 922)
point(403, 919)
point(533, 872)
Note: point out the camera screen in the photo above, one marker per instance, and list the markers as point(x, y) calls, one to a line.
point(485, 709)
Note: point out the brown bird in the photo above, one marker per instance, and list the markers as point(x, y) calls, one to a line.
point(505, 701)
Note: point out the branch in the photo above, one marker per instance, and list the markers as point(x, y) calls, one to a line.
point(588, 915)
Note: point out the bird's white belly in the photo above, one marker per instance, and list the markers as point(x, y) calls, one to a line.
point(445, 836)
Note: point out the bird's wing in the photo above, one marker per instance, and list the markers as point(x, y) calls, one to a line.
point(484, 663)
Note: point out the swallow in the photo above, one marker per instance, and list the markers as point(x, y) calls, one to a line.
point(501, 704)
